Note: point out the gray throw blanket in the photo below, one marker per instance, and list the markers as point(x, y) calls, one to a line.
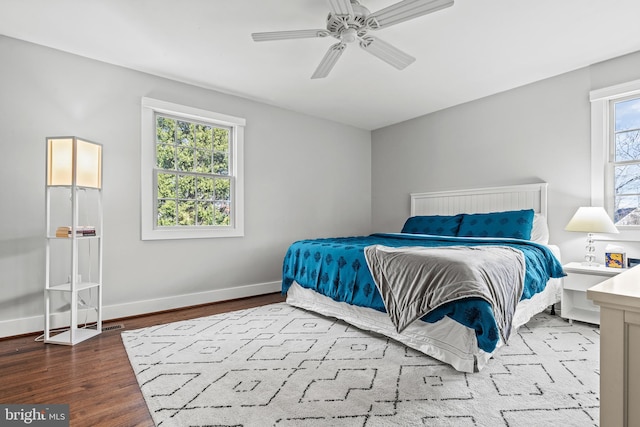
point(415, 280)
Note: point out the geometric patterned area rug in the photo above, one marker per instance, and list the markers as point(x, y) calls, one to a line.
point(278, 365)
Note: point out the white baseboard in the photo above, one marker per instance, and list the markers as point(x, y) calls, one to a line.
point(35, 324)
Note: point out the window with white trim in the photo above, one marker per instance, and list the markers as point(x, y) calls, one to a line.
point(615, 120)
point(192, 175)
point(624, 160)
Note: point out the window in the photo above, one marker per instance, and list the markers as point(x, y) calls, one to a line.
point(615, 152)
point(624, 159)
point(192, 183)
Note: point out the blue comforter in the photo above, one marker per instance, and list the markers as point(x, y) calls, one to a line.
point(337, 268)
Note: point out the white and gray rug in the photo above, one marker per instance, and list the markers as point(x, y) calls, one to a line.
point(282, 366)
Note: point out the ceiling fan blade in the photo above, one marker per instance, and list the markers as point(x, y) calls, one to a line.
point(405, 10)
point(287, 35)
point(329, 60)
point(341, 7)
point(386, 52)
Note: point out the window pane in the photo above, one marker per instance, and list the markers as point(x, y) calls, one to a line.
point(185, 159)
point(165, 130)
point(221, 163)
point(186, 213)
point(205, 188)
point(203, 161)
point(626, 210)
point(205, 213)
point(166, 186)
point(222, 213)
point(627, 146)
point(627, 179)
point(186, 187)
point(221, 151)
point(166, 213)
point(627, 114)
point(204, 137)
point(222, 189)
point(165, 156)
point(185, 134)
point(221, 139)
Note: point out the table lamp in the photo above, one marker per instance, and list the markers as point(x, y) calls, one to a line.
point(591, 219)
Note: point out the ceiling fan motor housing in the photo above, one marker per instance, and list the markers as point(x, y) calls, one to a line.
point(348, 28)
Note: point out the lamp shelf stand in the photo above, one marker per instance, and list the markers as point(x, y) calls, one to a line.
point(74, 225)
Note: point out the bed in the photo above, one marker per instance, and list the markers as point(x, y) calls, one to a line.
point(462, 236)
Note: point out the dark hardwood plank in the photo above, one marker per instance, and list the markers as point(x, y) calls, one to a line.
point(94, 377)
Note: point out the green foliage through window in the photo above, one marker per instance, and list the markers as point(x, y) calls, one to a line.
point(193, 176)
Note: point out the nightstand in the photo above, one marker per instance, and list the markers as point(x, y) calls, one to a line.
point(575, 305)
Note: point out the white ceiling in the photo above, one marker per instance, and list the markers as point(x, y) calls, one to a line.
point(473, 49)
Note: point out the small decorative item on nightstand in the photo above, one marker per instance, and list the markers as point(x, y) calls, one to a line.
point(615, 260)
point(615, 257)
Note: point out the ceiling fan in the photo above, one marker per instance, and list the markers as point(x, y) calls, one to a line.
point(349, 21)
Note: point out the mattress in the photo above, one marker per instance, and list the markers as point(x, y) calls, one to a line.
point(445, 340)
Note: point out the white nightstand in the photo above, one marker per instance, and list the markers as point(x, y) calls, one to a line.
point(575, 305)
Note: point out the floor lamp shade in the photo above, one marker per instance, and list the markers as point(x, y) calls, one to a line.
point(74, 161)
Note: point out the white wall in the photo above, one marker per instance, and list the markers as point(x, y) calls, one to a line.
point(538, 132)
point(305, 177)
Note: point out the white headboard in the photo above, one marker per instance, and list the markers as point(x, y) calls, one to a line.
point(480, 200)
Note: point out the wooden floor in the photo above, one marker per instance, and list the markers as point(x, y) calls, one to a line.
point(93, 377)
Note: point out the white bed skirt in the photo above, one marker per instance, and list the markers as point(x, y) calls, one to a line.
point(445, 340)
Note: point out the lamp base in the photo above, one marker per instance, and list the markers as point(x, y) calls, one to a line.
point(590, 255)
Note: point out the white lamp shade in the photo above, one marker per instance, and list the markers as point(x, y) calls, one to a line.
point(591, 219)
point(74, 161)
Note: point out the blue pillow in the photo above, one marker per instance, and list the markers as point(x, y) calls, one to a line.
point(439, 225)
point(508, 224)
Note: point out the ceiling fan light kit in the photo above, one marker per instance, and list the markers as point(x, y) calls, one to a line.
point(349, 21)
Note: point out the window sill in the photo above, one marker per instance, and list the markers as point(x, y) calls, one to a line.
point(173, 234)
